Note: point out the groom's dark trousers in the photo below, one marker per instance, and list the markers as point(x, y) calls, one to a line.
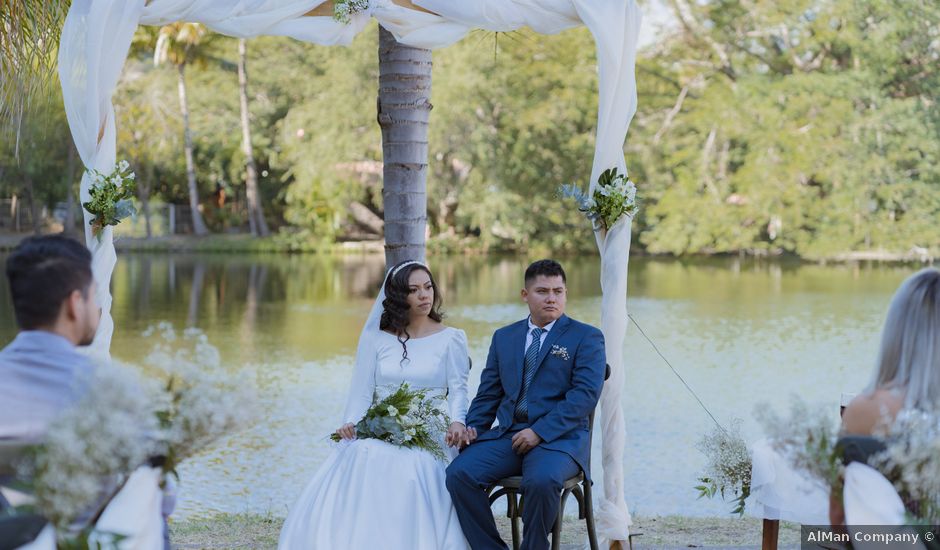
point(561, 395)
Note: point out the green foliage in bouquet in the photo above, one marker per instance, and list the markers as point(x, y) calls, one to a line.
point(729, 465)
point(111, 196)
point(406, 418)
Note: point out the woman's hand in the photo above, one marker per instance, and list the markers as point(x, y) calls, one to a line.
point(457, 435)
point(347, 431)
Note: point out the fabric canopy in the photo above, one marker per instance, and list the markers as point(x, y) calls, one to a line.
point(97, 37)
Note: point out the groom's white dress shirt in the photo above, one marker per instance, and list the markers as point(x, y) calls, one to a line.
point(542, 337)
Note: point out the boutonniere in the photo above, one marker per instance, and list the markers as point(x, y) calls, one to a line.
point(560, 351)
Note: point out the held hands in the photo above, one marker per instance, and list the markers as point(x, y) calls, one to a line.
point(459, 436)
point(347, 431)
point(525, 441)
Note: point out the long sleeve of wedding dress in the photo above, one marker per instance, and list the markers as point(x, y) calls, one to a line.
point(362, 386)
point(458, 369)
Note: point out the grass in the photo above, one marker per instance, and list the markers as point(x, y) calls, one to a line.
point(261, 532)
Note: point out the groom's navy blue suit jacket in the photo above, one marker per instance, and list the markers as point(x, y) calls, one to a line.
point(564, 391)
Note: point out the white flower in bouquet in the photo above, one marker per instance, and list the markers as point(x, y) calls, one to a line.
point(392, 411)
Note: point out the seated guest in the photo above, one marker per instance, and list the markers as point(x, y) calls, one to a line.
point(41, 370)
point(907, 375)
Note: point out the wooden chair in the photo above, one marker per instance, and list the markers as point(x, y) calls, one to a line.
point(510, 487)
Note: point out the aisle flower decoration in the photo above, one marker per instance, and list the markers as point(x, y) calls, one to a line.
point(124, 421)
point(613, 198)
point(111, 197)
point(728, 470)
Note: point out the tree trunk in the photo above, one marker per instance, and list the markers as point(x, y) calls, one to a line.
point(404, 107)
point(69, 223)
point(33, 204)
point(255, 212)
point(143, 193)
point(199, 226)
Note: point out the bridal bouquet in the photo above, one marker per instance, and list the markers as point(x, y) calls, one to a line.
point(406, 418)
point(110, 197)
point(613, 198)
point(729, 465)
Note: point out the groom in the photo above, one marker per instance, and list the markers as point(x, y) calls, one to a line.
point(542, 379)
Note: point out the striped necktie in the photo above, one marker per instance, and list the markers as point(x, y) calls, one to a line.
point(528, 373)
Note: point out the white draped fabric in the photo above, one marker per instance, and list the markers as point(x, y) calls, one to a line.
point(96, 39)
point(779, 491)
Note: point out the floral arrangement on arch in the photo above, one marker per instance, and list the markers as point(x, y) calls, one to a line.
point(343, 10)
point(111, 197)
point(613, 198)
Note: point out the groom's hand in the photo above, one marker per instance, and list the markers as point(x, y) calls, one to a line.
point(525, 441)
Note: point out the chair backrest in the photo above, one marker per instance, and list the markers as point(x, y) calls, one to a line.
point(858, 448)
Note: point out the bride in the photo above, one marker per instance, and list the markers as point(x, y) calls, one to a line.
point(368, 493)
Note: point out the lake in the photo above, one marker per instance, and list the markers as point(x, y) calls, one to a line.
point(743, 333)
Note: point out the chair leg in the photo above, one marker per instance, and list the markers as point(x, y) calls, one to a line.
point(559, 520)
point(514, 521)
point(589, 515)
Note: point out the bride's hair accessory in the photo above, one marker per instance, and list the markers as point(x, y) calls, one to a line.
point(406, 264)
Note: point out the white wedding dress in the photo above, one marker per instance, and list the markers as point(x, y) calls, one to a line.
point(369, 494)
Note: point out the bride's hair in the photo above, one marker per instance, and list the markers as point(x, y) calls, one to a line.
point(909, 359)
point(395, 306)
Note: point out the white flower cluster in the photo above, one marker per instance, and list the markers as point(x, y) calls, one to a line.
point(912, 460)
point(108, 433)
point(729, 460)
point(202, 402)
point(807, 440)
point(728, 467)
point(343, 10)
point(123, 420)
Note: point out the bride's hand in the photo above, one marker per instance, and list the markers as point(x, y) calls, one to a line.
point(457, 435)
point(347, 431)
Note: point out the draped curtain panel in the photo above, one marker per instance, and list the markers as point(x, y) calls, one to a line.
point(95, 43)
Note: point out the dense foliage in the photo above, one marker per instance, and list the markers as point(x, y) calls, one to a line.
point(798, 126)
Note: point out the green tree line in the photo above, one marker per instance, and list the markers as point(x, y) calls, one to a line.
point(804, 127)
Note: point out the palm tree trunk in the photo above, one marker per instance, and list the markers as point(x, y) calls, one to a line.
point(404, 107)
point(255, 212)
point(199, 226)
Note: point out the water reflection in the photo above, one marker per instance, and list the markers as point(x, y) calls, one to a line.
point(741, 332)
